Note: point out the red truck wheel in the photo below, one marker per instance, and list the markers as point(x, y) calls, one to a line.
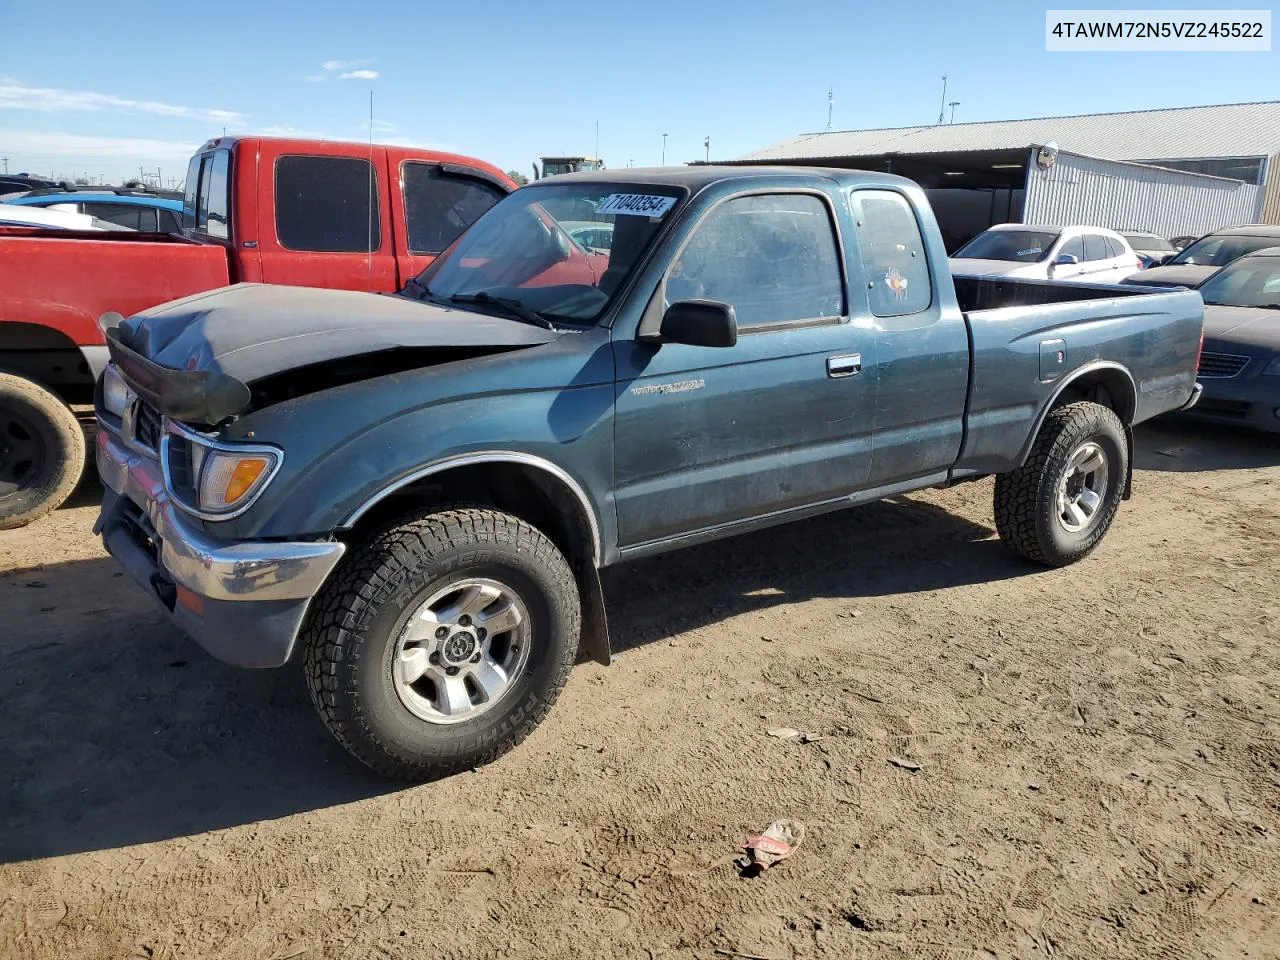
point(42, 452)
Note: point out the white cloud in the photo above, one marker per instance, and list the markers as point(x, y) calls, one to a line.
point(39, 145)
point(360, 75)
point(15, 95)
point(332, 65)
point(382, 126)
point(314, 78)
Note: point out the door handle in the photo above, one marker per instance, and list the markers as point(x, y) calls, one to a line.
point(845, 365)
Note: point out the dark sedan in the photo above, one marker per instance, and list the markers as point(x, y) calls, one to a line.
point(1202, 259)
point(1240, 365)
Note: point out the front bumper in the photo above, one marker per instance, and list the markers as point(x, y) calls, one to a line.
point(1249, 401)
point(243, 602)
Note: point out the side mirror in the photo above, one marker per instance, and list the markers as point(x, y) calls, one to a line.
point(700, 323)
point(1066, 260)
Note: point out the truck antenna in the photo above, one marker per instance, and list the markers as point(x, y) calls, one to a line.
point(371, 193)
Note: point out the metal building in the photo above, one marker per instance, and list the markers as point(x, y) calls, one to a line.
point(1186, 170)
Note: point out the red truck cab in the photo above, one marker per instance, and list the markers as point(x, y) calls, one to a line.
point(352, 216)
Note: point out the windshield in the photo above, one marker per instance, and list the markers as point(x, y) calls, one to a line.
point(1218, 251)
point(1142, 241)
point(1253, 282)
point(1018, 246)
point(524, 250)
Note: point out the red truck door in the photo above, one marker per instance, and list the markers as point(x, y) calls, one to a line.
point(436, 199)
point(324, 216)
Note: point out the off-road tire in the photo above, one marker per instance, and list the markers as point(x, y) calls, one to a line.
point(61, 450)
point(352, 628)
point(1025, 499)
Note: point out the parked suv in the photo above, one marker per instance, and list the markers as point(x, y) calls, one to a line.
point(1082, 254)
point(135, 210)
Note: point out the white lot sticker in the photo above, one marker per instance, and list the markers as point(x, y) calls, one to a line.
point(636, 204)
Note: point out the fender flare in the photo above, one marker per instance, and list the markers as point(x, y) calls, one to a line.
point(1067, 381)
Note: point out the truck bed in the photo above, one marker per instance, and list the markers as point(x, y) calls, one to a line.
point(1032, 332)
point(63, 281)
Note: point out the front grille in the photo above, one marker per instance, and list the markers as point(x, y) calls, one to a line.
point(146, 426)
point(1221, 365)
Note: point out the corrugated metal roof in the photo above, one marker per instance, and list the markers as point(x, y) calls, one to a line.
point(1229, 130)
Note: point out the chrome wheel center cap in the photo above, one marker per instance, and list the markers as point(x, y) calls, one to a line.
point(459, 647)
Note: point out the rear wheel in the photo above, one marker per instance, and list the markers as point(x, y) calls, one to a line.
point(442, 642)
point(1057, 507)
point(42, 452)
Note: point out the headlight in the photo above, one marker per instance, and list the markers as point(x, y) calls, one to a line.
point(1272, 368)
point(215, 480)
point(116, 395)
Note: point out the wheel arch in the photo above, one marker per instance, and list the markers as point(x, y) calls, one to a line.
point(524, 485)
point(1104, 382)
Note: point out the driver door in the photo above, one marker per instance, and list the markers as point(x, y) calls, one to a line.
point(706, 437)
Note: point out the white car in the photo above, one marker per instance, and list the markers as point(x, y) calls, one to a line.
point(1084, 254)
point(16, 215)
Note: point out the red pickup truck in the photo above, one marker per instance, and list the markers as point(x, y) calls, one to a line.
point(300, 212)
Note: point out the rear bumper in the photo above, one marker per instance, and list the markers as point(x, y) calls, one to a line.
point(1196, 392)
point(243, 602)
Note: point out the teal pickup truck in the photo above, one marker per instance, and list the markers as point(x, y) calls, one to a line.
point(413, 494)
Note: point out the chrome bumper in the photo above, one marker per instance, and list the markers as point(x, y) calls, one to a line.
point(244, 602)
point(1192, 400)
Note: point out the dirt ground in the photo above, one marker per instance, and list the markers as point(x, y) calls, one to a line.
point(1099, 753)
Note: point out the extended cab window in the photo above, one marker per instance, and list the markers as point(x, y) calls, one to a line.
point(440, 205)
point(892, 254)
point(323, 205)
point(772, 257)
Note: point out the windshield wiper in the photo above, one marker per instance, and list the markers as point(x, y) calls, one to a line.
point(513, 308)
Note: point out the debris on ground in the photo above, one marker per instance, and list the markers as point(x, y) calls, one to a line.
point(905, 764)
point(762, 851)
point(792, 736)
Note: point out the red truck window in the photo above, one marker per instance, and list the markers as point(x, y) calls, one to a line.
point(440, 205)
point(208, 199)
point(327, 205)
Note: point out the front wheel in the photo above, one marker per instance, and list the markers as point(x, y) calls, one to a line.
point(442, 642)
point(1057, 507)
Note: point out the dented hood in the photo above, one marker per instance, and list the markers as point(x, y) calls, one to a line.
point(250, 331)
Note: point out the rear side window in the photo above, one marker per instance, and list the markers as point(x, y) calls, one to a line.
point(893, 254)
point(210, 194)
point(327, 205)
point(1095, 247)
point(440, 205)
point(167, 221)
point(1114, 247)
point(772, 257)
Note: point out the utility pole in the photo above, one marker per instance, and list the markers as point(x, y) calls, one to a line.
point(953, 104)
point(830, 99)
point(664, 149)
point(707, 143)
point(6, 159)
point(597, 156)
point(942, 110)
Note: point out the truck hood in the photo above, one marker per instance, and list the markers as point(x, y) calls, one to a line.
point(1183, 275)
point(222, 353)
point(251, 330)
point(1247, 326)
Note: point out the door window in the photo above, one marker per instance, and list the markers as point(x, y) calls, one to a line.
point(439, 206)
point(327, 205)
point(1073, 248)
point(1095, 247)
point(121, 214)
point(772, 257)
point(893, 254)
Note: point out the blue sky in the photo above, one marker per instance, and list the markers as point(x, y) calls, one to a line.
point(102, 89)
